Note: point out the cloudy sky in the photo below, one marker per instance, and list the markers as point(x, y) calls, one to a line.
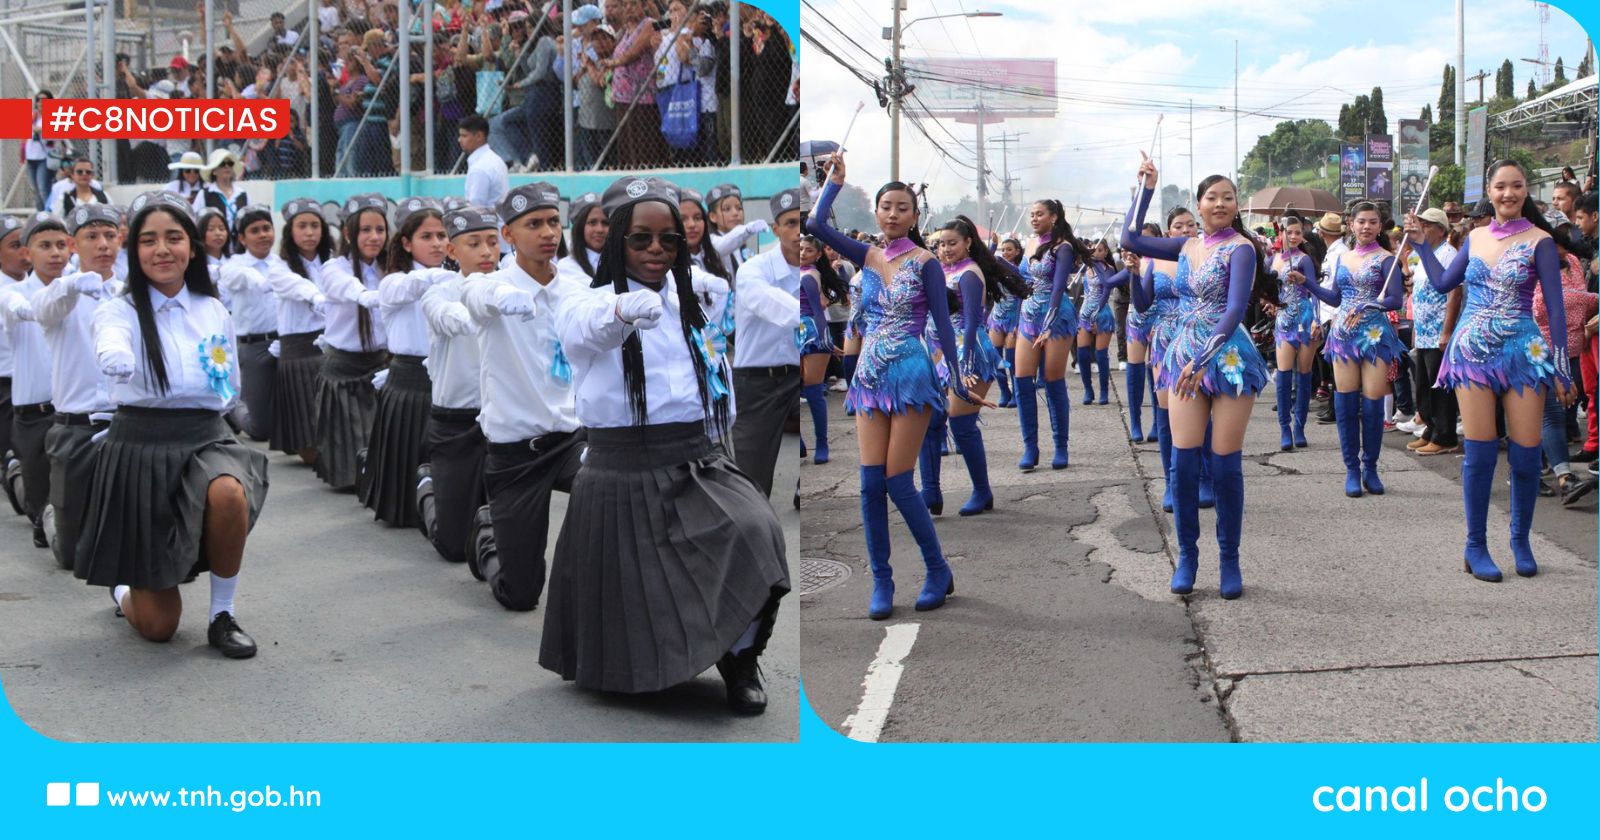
point(1293, 64)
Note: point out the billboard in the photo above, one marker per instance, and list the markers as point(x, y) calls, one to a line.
point(1477, 125)
point(1380, 167)
point(1003, 87)
point(1352, 171)
point(1411, 163)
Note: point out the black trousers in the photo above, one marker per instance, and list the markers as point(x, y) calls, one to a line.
point(1119, 307)
point(72, 451)
point(5, 417)
point(29, 423)
point(520, 478)
point(766, 397)
point(1436, 405)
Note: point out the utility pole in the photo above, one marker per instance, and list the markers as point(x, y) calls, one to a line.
point(1236, 113)
point(983, 171)
point(1479, 79)
point(1191, 145)
point(1005, 141)
point(1461, 82)
point(896, 76)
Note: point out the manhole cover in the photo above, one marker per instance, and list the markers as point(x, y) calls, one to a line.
point(817, 574)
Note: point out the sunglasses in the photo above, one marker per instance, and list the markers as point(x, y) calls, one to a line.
point(670, 240)
point(83, 171)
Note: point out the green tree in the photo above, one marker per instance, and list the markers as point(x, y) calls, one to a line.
point(1293, 146)
point(1505, 85)
point(1447, 185)
point(1583, 67)
point(1447, 95)
point(1427, 114)
point(1377, 121)
point(1171, 196)
point(1532, 91)
point(853, 209)
point(1561, 73)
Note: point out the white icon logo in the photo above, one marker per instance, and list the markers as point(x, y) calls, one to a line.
point(637, 188)
point(83, 215)
point(519, 203)
point(591, 197)
point(786, 201)
point(461, 223)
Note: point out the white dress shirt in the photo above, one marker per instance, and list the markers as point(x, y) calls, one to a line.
point(346, 293)
point(731, 246)
point(7, 285)
point(593, 335)
point(297, 296)
point(250, 298)
point(184, 322)
point(66, 315)
point(30, 352)
point(453, 355)
point(487, 183)
point(399, 298)
point(1329, 263)
point(568, 265)
point(522, 398)
point(767, 311)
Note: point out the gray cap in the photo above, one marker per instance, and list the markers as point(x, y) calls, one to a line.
point(454, 202)
point(250, 215)
point(793, 198)
point(87, 214)
point(363, 201)
point(686, 194)
point(9, 225)
point(527, 198)
point(416, 204)
point(144, 202)
point(295, 207)
point(721, 191)
point(40, 220)
point(579, 208)
point(632, 189)
point(469, 219)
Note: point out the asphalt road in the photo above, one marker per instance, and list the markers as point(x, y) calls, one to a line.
point(1357, 623)
point(365, 635)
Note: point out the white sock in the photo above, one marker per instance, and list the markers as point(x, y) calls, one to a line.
point(119, 592)
point(222, 590)
point(746, 640)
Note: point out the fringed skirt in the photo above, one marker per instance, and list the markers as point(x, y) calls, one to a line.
point(1005, 315)
point(294, 400)
point(895, 374)
point(1037, 320)
point(983, 361)
point(1294, 323)
point(1102, 321)
point(455, 448)
point(1499, 353)
point(147, 502)
point(1236, 370)
point(394, 449)
point(346, 402)
point(666, 555)
point(812, 338)
point(1372, 339)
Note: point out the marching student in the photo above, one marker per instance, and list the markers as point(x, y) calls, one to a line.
point(766, 362)
point(173, 489)
point(450, 480)
point(243, 278)
point(642, 595)
point(13, 269)
point(394, 450)
point(529, 418)
point(33, 414)
point(589, 229)
point(357, 347)
point(729, 231)
point(296, 282)
point(65, 311)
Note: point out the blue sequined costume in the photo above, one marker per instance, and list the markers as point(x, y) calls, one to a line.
point(1297, 309)
point(1035, 319)
point(1496, 343)
point(812, 335)
point(1006, 315)
point(895, 372)
point(979, 357)
point(1096, 315)
point(1153, 325)
point(1372, 338)
point(1236, 368)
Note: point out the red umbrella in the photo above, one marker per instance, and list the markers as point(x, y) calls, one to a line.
point(1273, 201)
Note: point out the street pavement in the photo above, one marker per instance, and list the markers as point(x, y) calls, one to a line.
point(1357, 623)
point(365, 635)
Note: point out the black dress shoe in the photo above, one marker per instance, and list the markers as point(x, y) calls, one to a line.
point(742, 675)
point(120, 613)
point(1584, 457)
point(226, 636)
point(1576, 490)
point(39, 539)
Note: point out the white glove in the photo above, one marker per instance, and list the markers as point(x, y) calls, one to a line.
point(274, 348)
point(434, 276)
point(118, 371)
point(455, 321)
point(319, 304)
point(368, 299)
point(757, 226)
point(380, 378)
point(88, 283)
point(708, 284)
point(510, 300)
point(642, 309)
point(100, 435)
point(321, 343)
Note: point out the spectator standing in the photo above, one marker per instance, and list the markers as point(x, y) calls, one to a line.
point(179, 72)
point(221, 193)
point(684, 56)
point(328, 15)
point(186, 182)
point(378, 98)
point(282, 35)
point(84, 190)
point(486, 172)
point(638, 142)
point(597, 119)
point(41, 154)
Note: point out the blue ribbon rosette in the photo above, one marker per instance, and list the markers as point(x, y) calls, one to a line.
point(560, 368)
point(1233, 369)
point(1539, 356)
point(725, 324)
point(216, 359)
point(705, 342)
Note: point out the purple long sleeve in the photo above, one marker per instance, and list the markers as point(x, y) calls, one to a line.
point(817, 224)
point(1329, 295)
point(1144, 291)
point(1115, 280)
point(813, 295)
point(1444, 279)
point(1134, 239)
point(939, 309)
point(1065, 258)
point(1547, 263)
point(1396, 291)
point(971, 308)
point(1241, 279)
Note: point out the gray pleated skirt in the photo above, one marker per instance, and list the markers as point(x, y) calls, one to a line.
point(666, 555)
point(294, 396)
point(257, 377)
point(394, 448)
point(346, 402)
point(147, 502)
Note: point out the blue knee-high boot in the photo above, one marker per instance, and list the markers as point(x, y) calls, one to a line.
point(1007, 399)
point(1135, 384)
point(817, 400)
point(1525, 462)
point(1055, 396)
point(875, 527)
point(940, 582)
point(1164, 441)
point(1208, 491)
point(928, 460)
point(964, 428)
point(1102, 358)
point(1085, 371)
point(1028, 419)
point(1284, 381)
point(1228, 475)
point(1347, 417)
point(1302, 406)
point(1477, 479)
point(1155, 406)
point(1371, 443)
point(850, 378)
point(1186, 513)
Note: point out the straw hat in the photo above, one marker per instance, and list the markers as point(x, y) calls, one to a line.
point(218, 157)
point(190, 160)
point(1331, 224)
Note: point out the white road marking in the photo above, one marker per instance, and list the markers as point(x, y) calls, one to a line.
point(883, 677)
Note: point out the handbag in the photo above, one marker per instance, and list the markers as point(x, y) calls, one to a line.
point(680, 112)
